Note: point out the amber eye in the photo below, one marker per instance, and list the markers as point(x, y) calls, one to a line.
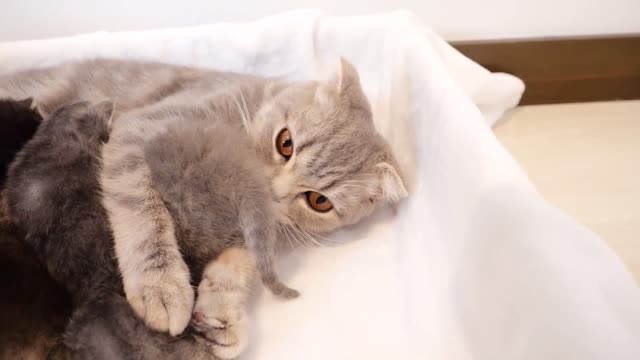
point(284, 144)
point(318, 202)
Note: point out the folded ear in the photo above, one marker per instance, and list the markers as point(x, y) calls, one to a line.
point(390, 187)
point(345, 82)
point(345, 78)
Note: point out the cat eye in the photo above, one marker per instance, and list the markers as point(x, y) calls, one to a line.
point(284, 144)
point(318, 202)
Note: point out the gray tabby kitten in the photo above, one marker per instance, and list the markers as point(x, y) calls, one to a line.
point(326, 165)
point(216, 192)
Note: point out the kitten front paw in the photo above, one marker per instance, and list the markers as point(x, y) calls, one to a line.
point(164, 300)
point(226, 330)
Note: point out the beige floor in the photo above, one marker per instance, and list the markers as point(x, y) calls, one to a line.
point(585, 158)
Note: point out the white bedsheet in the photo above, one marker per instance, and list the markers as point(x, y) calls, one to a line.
point(475, 265)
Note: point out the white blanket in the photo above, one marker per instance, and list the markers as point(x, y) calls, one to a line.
point(475, 264)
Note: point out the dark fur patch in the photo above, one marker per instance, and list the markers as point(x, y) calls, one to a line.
point(33, 307)
point(18, 123)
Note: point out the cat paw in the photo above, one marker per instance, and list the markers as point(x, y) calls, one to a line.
point(226, 330)
point(163, 300)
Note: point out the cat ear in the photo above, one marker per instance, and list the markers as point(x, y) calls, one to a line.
point(390, 186)
point(105, 110)
point(35, 107)
point(28, 103)
point(344, 81)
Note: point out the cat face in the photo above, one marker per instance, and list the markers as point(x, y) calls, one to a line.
point(328, 166)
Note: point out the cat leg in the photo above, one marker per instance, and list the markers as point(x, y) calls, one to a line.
point(220, 313)
point(155, 277)
point(258, 230)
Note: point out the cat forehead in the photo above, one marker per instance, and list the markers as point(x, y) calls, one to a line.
point(333, 123)
point(333, 160)
point(313, 101)
point(335, 138)
point(340, 128)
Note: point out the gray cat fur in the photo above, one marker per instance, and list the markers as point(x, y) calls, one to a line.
point(53, 196)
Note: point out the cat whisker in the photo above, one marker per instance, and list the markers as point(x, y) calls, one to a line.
point(243, 111)
point(321, 237)
point(323, 240)
point(308, 236)
point(246, 107)
point(297, 240)
point(288, 238)
point(310, 240)
point(303, 237)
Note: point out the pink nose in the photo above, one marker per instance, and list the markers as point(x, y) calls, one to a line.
point(198, 317)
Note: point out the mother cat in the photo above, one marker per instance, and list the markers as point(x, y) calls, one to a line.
point(326, 164)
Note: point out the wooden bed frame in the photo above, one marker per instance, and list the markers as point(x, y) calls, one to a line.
point(563, 70)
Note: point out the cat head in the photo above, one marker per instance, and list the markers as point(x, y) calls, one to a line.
point(20, 112)
point(91, 123)
point(328, 166)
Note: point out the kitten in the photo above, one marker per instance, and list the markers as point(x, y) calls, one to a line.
point(18, 122)
point(32, 302)
point(327, 166)
point(219, 199)
point(53, 195)
point(216, 192)
point(50, 176)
